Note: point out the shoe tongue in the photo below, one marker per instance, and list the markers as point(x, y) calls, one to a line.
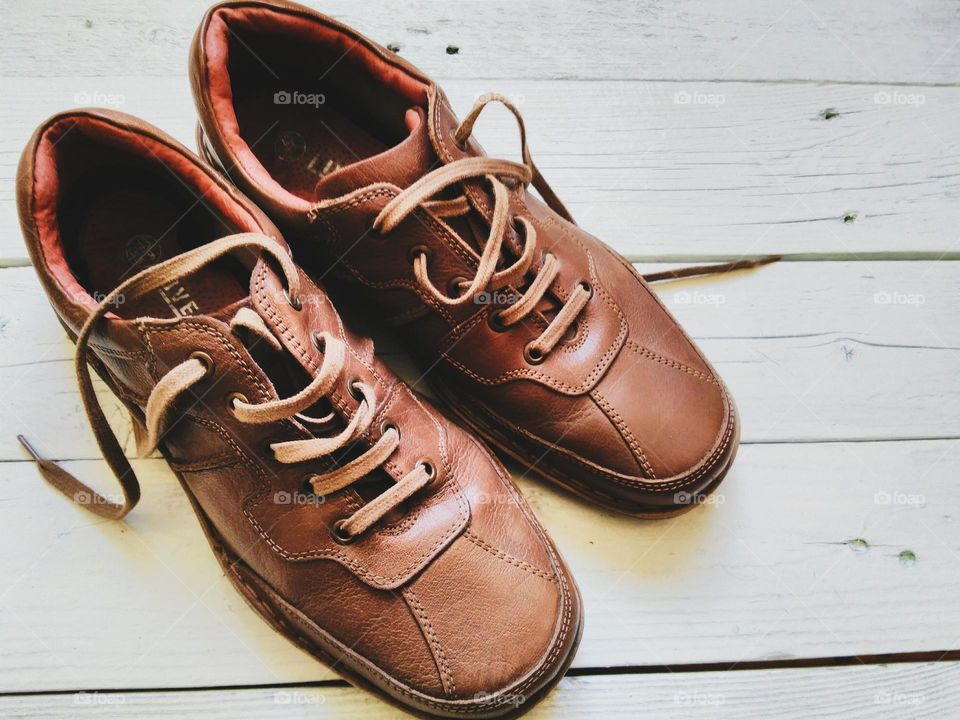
point(401, 165)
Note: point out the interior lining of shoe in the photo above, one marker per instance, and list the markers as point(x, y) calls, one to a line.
point(297, 99)
point(110, 202)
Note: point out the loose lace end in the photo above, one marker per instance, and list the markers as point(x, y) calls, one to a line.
point(719, 269)
point(78, 492)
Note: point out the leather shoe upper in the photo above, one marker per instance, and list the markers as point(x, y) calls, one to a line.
point(448, 597)
point(590, 381)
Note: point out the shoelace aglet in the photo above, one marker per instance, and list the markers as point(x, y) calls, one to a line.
point(29, 448)
point(48, 468)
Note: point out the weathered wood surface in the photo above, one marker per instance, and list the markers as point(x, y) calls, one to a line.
point(660, 170)
point(876, 692)
point(808, 551)
point(819, 40)
point(702, 130)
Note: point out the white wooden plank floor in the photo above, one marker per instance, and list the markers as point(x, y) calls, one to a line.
point(823, 580)
point(909, 692)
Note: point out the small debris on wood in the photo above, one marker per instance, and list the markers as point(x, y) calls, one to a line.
point(829, 114)
point(394, 47)
point(858, 545)
point(452, 49)
point(908, 558)
point(850, 217)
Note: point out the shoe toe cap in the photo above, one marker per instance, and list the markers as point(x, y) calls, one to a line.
point(498, 607)
point(672, 416)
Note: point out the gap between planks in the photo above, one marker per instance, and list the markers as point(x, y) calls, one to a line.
point(945, 656)
point(910, 691)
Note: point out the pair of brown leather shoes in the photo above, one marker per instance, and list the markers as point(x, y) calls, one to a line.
point(352, 515)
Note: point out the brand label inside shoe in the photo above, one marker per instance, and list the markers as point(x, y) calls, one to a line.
point(177, 298)
point(142, 251)
point(292, 146)
point(322, 167)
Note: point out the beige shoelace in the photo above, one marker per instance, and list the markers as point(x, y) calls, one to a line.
point(184, 376)
point(487, 277)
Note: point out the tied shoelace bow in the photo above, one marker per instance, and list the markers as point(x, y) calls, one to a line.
point(487, 278)
point(181, 378)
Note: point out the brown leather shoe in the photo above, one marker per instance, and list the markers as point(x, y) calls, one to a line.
point(538, 335)
point(351, 515)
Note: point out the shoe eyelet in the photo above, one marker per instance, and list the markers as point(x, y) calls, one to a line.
point(204, 359)
point(388, 425)
point(417, 250)
point(453, 286)
point(306, 486)
point(429, 468)
point(233, 398)
point(532, 355)
point(495, 321)
point(295, 302)
point(353, 387)
point(316, 337)
point(586, 286)
point(340, 536)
